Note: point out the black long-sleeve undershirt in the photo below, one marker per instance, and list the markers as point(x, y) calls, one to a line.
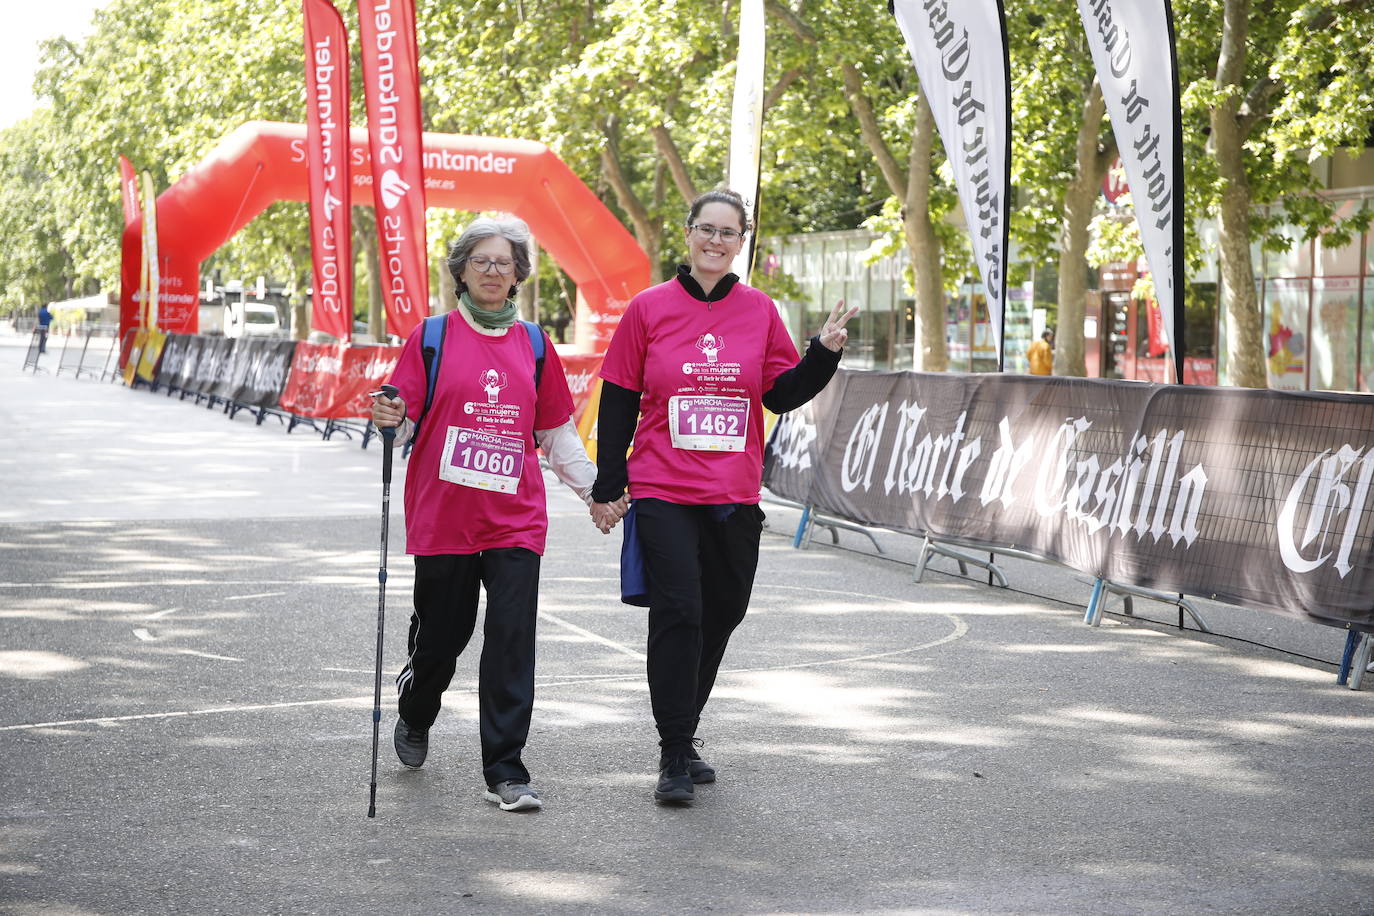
point(618, 412)
point(615, 428)
point(803, 381)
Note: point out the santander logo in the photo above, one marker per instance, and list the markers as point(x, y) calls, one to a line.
point(393, 188)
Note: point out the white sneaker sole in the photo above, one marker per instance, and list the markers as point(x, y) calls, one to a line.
point(523, 803)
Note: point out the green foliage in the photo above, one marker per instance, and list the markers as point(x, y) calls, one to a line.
point(604, 83)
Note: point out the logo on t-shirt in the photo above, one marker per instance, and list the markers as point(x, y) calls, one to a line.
point(713, 370)
point(710, 346)
point(492, 382)
point(493, 412)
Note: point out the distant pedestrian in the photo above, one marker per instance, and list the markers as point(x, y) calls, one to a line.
point(1041, 354)
point(44, 319)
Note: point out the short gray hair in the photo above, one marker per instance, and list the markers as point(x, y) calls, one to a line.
point(512, 230)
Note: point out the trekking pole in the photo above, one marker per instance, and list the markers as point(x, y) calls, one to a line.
point(388, 440)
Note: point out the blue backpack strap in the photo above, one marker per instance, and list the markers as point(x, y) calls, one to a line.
point(537, 345)
point(536, 335)
point(432, 350)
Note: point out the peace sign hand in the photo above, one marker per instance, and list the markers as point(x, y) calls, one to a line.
point(833, 334)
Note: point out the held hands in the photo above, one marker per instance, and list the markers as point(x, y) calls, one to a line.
point(833, 333)
point(607, 515)
point(387, 411)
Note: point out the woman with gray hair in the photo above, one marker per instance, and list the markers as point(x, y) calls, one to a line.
point(474, 500)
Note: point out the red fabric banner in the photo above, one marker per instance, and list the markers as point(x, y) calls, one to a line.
point(1154, 322)
point(332, 381)
point(326, 156)
point(128, 189)
point(391, 85)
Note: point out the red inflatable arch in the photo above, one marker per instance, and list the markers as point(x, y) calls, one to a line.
point(263, 162)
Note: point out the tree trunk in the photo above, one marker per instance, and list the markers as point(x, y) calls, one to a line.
point(365, 232)
point(1090, 166)
point(647, 230)
point(527, 299)
point(448, 290)
point(932, 351)
point(1244, 325)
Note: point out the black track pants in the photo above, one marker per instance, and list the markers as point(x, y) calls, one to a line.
point(701, 572)
point(446, 591)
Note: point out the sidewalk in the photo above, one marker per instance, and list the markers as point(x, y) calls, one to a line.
point(189, 614)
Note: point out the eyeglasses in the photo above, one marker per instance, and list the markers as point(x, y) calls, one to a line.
point(504, 266)
point(706, 233)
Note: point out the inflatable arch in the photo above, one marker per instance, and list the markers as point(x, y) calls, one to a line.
point(263, 162)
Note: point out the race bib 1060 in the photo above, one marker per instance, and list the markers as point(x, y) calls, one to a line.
point(483, 461)
point(708, 424)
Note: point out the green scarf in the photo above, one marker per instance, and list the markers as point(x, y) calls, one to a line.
point(501, 318)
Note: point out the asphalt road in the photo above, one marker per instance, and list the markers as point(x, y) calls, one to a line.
point(188, 610)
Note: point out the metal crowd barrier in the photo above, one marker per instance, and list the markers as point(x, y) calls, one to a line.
point(34, 352)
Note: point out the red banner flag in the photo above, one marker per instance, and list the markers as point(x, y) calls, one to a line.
point(391, 85)
point(326, 152)
point(128, 188)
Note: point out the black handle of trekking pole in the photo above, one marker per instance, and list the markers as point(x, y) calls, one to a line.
point(389, 432)
point(389, 438)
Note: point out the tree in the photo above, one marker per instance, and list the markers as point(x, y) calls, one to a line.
point(1289, 81)
point(869, 64)
point(1058, 159)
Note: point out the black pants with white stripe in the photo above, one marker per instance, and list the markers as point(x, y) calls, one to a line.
point(701, 569)
point(446, 593)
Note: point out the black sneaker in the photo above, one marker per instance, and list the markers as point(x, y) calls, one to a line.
point(699, 769)
point(674, 780)
point(412, 744)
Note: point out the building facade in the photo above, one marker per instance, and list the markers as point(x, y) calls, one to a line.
point(1317, 302)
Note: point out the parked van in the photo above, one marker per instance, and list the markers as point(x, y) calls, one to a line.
point(252, 319)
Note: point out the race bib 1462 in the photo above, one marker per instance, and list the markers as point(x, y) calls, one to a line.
point(708, 424)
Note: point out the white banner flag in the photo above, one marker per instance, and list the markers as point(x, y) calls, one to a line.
point(1132, 45)
point(746, 121)
point(960, 52)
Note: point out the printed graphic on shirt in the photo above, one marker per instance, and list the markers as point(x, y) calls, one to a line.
point(710, 346)
point(492, 414)
point(713, 374)
point(483, 461)
point(708, 424)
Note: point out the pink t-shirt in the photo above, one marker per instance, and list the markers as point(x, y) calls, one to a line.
point(702, 368)
point(478, 435)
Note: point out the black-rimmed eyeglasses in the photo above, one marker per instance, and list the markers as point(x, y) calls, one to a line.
point(504, 266)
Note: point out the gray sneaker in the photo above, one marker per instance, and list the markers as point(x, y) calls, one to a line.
point(412, 744)
point(512, 795)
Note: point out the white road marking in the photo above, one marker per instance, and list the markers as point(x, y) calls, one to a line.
point(261, 595)
point(144, 635)
point(959, 630)
point(218, 658)
point(158, 615)
point(593, 636)
point(110, 720)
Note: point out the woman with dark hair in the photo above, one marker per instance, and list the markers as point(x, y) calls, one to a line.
point(700, 356)
point(474, 501)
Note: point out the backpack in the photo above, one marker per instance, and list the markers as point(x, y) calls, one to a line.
point(432, 348)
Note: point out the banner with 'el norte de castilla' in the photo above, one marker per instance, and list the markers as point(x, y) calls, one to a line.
point(960, 53)
point(1259, 498)
point(1132, 44)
